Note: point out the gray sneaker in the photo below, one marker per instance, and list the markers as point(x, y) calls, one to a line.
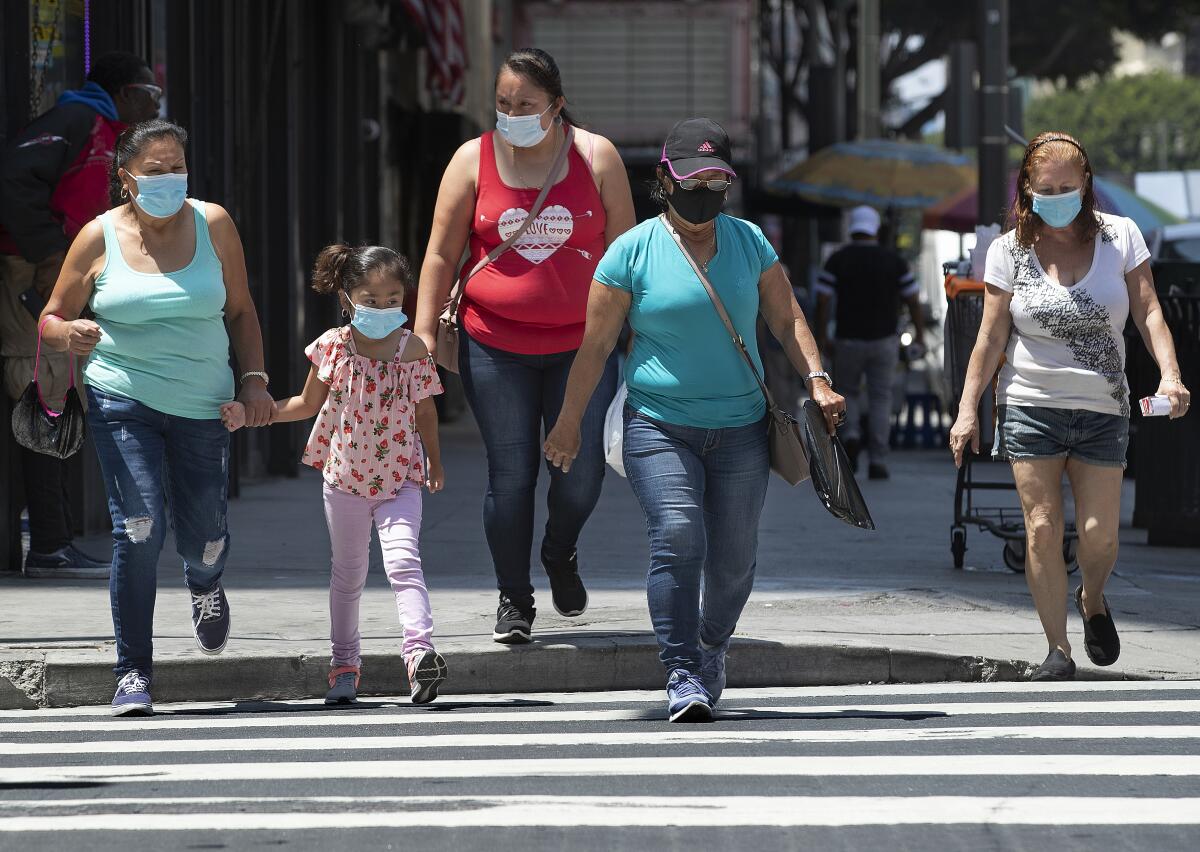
point(426, 672)
point(712, 668)
point(343, 688)
point(69, 563)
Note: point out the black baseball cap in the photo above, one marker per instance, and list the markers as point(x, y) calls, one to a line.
point(696, 144)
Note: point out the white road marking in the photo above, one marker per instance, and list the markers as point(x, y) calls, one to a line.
point(568, 811)
point(656, 696)
point(532, 715)
point(810, 766)
point(673, 736)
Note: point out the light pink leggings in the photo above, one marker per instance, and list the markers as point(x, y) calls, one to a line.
point(398, 520)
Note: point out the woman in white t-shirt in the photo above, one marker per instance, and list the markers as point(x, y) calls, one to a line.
point(1060, 287)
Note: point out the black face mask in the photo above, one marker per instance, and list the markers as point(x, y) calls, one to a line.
point(697, 206)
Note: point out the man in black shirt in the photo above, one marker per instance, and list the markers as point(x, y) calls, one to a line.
point(867, 282)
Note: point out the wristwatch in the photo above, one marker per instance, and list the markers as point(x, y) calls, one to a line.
point(819, 374)
point(257, 373)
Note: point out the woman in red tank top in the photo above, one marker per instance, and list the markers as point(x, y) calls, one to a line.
point(522, 318)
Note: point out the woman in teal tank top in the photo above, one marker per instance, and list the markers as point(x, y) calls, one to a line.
point(165, 279)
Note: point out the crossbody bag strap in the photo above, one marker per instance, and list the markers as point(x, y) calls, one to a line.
point(720, 306)
point(461, 285)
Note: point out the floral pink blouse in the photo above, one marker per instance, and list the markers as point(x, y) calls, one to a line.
point(365, 439)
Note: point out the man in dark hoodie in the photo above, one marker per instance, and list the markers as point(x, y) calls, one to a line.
point(53, 181)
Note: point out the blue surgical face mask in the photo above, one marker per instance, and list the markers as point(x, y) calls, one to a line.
point(1058, 211)
point(522, 131)
point(377, 323)
point(161, 196)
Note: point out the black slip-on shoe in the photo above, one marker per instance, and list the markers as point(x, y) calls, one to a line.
point(1100, 638)
point(1056, 666)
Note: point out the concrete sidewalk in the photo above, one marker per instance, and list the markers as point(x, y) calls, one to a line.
point(831, 605)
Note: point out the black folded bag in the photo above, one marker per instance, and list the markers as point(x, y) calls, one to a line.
point(832, 476)
point(37, 427)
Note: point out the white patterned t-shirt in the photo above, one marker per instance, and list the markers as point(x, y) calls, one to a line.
point(1067, 346)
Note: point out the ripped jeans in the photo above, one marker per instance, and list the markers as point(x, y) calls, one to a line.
point(151, 462)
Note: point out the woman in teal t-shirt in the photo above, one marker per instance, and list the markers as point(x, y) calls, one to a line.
point(164, 277)
point(695, 425)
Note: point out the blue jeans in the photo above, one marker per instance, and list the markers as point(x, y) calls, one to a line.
point(702, 491)
point(150, 461)
point(514, 398)
point(1036, 432)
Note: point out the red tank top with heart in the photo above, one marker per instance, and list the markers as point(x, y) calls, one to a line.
point(532, 300)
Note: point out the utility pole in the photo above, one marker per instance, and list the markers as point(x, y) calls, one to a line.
point(993, 107)
point(867, 74)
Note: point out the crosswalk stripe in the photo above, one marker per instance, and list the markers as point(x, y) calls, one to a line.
point(559, 811)
point(675, 736)
point(655, 696)
point(810, 766)
point(537, 716)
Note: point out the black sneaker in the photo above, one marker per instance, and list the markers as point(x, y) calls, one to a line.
point(69, 563)
point(514, 624)
point(210, 619)
point(1056, 666)
point(877, 471)
point(566, 588)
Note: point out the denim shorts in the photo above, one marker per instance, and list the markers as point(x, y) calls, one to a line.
point(1035, 432)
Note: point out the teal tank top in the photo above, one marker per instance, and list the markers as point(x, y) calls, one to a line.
point(162, 335)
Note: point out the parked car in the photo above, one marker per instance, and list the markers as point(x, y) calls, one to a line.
point(1175, 259)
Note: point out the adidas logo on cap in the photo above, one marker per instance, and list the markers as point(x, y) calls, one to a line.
point(705, 148)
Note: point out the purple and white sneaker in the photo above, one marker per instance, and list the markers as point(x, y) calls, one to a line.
point(133, 696)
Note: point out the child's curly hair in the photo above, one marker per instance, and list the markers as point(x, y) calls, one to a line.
point(1052, 147)
point(343, 267)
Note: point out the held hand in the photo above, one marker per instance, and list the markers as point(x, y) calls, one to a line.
point(833, 405)
point(435, 476)
point(965, 431)
point(233, 415)
point(260, 408)
point(1180, 396)
point(562, 445)
point(82, 336)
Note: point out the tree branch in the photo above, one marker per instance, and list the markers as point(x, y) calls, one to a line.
point(911, 128)
point(1052, 55)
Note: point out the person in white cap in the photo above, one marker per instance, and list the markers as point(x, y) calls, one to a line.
point(869, 281)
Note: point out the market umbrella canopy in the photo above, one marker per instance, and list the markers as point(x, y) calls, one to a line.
point(960, 212)
point(878, 172)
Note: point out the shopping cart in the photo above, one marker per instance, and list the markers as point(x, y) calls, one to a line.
point(964, 315)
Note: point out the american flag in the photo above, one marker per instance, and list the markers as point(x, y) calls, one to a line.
point(442, 23)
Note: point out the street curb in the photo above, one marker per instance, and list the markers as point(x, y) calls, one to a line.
point(70, 679)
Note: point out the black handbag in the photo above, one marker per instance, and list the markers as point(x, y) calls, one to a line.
point(38, 427)
point(832, 475)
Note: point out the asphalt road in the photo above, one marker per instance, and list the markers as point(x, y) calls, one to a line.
point(942, 766)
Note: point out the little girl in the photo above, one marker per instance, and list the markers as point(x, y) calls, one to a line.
point(375, 442)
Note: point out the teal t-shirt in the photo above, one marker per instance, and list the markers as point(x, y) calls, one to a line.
point(684, 369)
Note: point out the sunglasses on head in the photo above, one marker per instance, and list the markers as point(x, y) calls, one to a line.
point(153, 91)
